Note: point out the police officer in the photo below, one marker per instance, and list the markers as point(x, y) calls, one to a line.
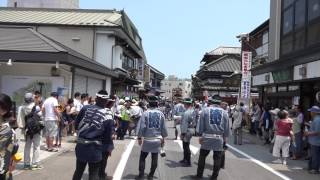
point(178, 110)
point(151, 133)
point(214, 129)
point(187, 130)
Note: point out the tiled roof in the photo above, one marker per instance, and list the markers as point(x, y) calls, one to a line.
point(224, 50)
point(228, 63)
point(70, 17)
point(82, 17)
point(21, 39)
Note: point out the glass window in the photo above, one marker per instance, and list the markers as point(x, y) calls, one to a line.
point(299, 40)
point(300, 13)
point(313, 34)
point(287, 21)
point(287, 3)
point(286, 45)
point(313, 9)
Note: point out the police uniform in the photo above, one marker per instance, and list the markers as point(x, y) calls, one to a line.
point(214, 128)
point(187, 130)
point(152, 129)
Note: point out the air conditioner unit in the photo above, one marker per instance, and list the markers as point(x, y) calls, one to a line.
point(267, 77)
point(303, 71)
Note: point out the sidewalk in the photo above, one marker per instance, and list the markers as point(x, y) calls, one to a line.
point(67, 145)
point(253, 146)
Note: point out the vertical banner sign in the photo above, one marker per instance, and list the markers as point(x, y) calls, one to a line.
point(246, 75)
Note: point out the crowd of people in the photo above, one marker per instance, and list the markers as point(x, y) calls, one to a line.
point(97, 122)
point(290, 133)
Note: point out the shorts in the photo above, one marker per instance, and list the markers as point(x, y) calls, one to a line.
point(281, 143)
point(51, 128)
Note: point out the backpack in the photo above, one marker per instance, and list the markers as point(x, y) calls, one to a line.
point(33, 124)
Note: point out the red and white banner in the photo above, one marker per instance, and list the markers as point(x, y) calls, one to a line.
point(246, 75)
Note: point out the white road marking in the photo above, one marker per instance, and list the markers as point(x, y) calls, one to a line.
point(124, 159)
point(193, 149)
point(265, 166)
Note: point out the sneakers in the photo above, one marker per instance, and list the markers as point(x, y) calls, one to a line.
point(36, 167)
point(27, 167)
point(284, 162)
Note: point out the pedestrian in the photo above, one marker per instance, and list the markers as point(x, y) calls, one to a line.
point(51, 119)
point(238, 117)
point(78, 106)
point(214, 128)
point(94, 128)
point(151, 133)
point(6, 136)
point(69, 116)
point(107, 140)
point(188, 123)
point(298, 119)
point(30, 121)
point(314, 140)
point(256, 115)
point(124, 118)
point(284, 134)
point(178, 110)
point(266, 123)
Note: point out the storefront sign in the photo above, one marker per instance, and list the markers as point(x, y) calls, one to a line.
point(246, 64)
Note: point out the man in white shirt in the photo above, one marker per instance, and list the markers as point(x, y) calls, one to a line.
point(77, 102)
point(51, 118)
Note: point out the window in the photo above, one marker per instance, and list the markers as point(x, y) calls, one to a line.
point(128, 63)
point(299, 40)
point(287, 3)
point(287, 21)
point(300, 14)
point(313, 33)
point(286, 45)
point(313, 9)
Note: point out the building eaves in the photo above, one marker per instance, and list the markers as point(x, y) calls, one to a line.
point(259, 28)
point(219, 52)
point(227, 63)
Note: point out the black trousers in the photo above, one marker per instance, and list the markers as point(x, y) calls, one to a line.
point(217, 158)
point(186, 151)
point(103, 166)
point(93, 170)
point(142, 162)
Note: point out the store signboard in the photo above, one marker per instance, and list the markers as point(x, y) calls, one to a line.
point(245, 88)
point(246, 64)
point(246, 75)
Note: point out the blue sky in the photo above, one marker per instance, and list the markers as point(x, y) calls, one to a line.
point(177, 33)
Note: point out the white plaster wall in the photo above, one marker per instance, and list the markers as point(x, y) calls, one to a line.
point(108, 84)
point(260, 79)
point(312, 70)
point(64, 35)
point(117, 61)
point(41, 70)
point(103, 49)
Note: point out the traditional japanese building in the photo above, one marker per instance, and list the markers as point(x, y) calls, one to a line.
point(218, 74)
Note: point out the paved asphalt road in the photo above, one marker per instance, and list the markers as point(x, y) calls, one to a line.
point(238, 166)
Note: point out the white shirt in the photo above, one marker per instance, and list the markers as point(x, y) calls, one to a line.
point(49, 105)
point(77, 105)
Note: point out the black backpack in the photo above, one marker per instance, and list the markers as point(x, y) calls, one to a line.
point(33, 124)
